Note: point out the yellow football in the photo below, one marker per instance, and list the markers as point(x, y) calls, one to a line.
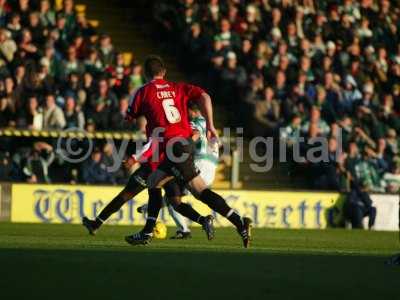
point(160, 231)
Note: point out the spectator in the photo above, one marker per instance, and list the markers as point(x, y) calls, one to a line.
point(73, 115)
point(106, 51)
point(246, 54)
point(23, 10)
point(116, 75)
point(60, 35)
point(392, 144)
point(135, 79)
point(358, 205)
point(14, 25)
point(392, 177)
point(11, 94)
point(94, 170)
point(327, 110)
point(281, 91)
point(104, 95)
point(194, 46)
point(266, 114)
point(27, 47)
point(291, 133)
point(72, 64)
point(315, 119)
point(352, 158)
point(93, 64)
point(5, 9)
point(36, 28)
point(52, 62)
point(36, 167)
point(368, 96)
point(327, 175)
point(118, 117)
point(229, 39)
point(53, 116)
point(100, 114)
point(6, 114)
point(233, 79)
point(7, 48)
point(32, 116)
point(90, 126)
point(351, 95)
point(366, 170)
point(109, 160)
point(46, 14)
point(6, 167)
point(68, 13)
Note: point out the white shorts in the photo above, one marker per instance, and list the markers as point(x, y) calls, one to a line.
point(207, 170)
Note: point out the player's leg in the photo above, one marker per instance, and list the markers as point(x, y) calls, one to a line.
point(372, 217)
point(188, 173)
point(183, 230)
point(135, 185)
point(207, 170)
point(143, 209)
point(200, 190)
point(174, 193)
point(153, 208)
point(154, 183)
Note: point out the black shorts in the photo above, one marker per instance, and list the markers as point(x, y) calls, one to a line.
point(184, 171)
point(139, 178)
point(173, 189)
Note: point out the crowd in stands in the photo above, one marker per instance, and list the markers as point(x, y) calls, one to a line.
point(289, 69)
point(58, 72)
point(301, 68)
point(40, 162)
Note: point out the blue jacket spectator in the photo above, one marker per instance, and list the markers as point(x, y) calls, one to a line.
point(94, 170)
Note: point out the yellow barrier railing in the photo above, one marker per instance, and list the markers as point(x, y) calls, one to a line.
point(10, 132)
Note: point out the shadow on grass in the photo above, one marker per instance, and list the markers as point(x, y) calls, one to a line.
point(162, 274)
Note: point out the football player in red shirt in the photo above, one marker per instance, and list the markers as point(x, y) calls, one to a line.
point(137, 183)
point(164, 104)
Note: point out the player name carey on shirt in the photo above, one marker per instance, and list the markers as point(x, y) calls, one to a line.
point(165, 94)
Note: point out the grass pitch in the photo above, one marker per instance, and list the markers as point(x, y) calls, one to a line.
point(63, 262)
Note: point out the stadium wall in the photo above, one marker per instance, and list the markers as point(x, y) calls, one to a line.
point(69, 203)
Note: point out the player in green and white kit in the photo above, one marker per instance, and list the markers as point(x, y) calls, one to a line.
point(205, 159)
point(206, 153)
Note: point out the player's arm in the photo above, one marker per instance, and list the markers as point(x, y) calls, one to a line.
point(196, 131)
point(205, 105)
point(195, 93)
point(141, 156)
point(195, 135)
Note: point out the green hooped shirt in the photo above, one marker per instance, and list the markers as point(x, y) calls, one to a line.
point(204, 149)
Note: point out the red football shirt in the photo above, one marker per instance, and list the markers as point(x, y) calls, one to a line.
point(164, 104)
point(145, 155)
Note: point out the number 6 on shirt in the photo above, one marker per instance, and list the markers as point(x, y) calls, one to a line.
point(171, 112)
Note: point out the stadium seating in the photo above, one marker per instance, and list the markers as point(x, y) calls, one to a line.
point(310, 68)
point(241, 52)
